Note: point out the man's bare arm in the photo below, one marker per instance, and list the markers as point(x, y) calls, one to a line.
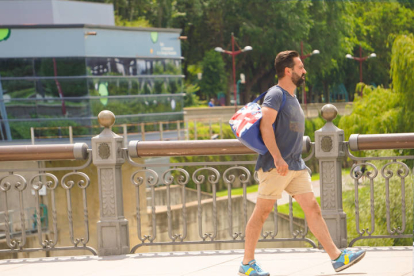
point(266, 128)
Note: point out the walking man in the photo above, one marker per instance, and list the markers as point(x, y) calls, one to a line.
point(282, 167)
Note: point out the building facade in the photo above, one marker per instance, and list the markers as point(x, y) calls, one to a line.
point(65, 74)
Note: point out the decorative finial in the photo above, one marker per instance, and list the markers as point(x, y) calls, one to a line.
point(329, 112)
point(106, 118)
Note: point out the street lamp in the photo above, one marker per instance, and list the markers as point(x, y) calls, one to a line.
point(303, 57)
point(233, 54)
point(243, 81)
point(361, 59)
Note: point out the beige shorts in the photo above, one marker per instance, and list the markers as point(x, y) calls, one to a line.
point(272, 184)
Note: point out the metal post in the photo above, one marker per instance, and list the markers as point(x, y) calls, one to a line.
point(178, 130)
point(210, 128)
point(187, 131)
point(113, 231)
point(3, 113)
point(70, 135)
point(303, 86)
point(32, 135)
point(142, 131)
point(161, 132)
point(221, 128)
point(329, 142)
point(233, 55)
point(195, 129)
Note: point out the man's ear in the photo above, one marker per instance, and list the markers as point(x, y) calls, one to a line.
point(288, 71)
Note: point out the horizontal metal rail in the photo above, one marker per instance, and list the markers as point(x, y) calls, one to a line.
point(121, 97)
point(77, 151)
point(195, 147)
point(85, 118)
point(31, 78)
point(381, 141)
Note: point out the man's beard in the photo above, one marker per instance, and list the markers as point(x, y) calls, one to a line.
point(298, 80)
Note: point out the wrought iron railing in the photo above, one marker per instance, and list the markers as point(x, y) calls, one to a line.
point(372, 170)
point(203, 225)
point(42, 179)
point(205, 173)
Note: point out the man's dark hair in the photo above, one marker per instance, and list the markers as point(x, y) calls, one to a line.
point(284, 59)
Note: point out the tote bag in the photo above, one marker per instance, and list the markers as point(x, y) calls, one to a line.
point(245, 124)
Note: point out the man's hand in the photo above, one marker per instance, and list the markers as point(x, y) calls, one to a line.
point(281, 166)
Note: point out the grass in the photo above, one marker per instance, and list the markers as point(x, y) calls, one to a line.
point(238, 191)
point(297, 210)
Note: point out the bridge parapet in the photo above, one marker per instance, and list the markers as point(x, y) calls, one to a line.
point(203, 221)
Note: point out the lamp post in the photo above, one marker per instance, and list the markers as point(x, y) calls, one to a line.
point(243, 81)
point(303, 57)
point(360, 60)
point(233, 54)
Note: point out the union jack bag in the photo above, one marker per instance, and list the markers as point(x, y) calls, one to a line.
point(245, 125)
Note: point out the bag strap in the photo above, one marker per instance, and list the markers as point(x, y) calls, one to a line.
point(283, 101)
point(260, 97)
point(264, 93)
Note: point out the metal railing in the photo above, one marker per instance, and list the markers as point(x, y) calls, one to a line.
point(394, 167)
point(204, 174)
point(160, 129)
point(191, 216)
point(19, 183)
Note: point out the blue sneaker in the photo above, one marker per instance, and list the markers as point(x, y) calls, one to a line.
point(347, 259)
point(252, 269)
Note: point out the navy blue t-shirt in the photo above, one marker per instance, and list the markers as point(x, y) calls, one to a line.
point(289, 131)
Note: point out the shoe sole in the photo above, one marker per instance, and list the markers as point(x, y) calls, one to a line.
point(351, 263)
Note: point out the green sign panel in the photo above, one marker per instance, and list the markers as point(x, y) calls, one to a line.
point(103, 91)
point(4, 34)
point(154, 37)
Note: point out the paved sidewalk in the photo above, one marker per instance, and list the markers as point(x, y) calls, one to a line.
point(380, 261)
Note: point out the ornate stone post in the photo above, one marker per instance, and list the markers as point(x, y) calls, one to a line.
point(330, 153)
point(113, 232)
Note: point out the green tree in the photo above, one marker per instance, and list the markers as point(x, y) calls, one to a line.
point(330, 33)
point(386, 110)
point(376, 25)
point(214, 76)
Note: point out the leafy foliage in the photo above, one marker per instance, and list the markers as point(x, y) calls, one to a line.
point(383, 110)
point(214, 76)
point(335, 28)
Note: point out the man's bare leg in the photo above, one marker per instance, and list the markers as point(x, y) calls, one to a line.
point(317, 224)
point(255, 225)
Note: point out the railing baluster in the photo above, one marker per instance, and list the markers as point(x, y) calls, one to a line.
point(184, 212)
point(199, 209)
point(20, 185)
point(213, 179)
point(275, 221)
point(82, 184)
point(294, 233)
point(154, 218)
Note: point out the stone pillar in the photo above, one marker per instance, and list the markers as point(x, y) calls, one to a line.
point(113, 232)
point(330, 153)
